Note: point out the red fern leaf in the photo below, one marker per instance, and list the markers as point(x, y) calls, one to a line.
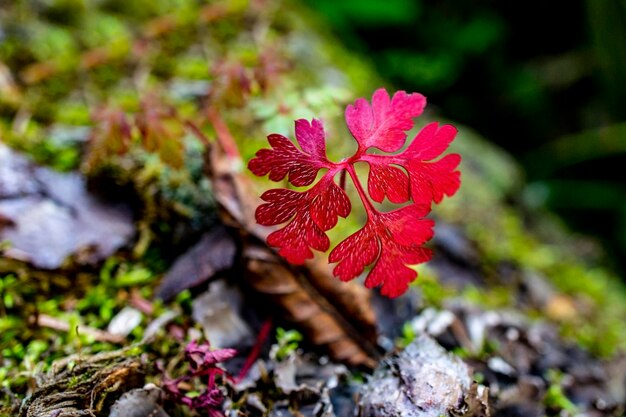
point(429, 180)
point(432, 180)
point(389, 242)
point(387, 181)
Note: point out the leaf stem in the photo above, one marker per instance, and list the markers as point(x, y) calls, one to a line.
point(369, 208)
point(342, 180)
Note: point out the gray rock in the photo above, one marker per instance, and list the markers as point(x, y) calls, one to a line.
point(124, 322)
point(423, 380)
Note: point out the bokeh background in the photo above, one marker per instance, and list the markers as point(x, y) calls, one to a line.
point(546, 80)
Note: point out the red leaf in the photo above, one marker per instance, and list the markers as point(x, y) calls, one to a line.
point(282, 206)
point(310, 137)
point(329, 203)
point(431, 181)
point(387, 181)
point(355, 253)
point(295, 241)
point(311, 212)
point(428, 181)
point(431, 142)
point(383, 124)
point(389, 241)
point(285, 159)
point(202, 357)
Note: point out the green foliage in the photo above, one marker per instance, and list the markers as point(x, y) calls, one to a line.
point(555, 399)
point(607, 20)
point(369, 12)
point(286, 343)
point(570, 150)
point(492, 297)
point(433, 292)
point(28, 350)
point(407, 336)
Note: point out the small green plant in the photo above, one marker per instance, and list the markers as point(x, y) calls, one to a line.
point(286, 344)
point(408, 335)
point(555, 399)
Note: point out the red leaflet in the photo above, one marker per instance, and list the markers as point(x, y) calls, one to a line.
point(285, 159)
point(383, 125)
point(389, 241)
point(429, 180)
point(388, 181)
point(312, 212)
point(202, 363)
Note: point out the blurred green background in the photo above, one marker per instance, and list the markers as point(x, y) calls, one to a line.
point(544, 80)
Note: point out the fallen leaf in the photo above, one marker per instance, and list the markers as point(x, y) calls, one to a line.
point(52, 216)
point(321, 319)
point(214, 252)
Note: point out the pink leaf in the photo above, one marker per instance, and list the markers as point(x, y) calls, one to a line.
point(383, 124)
point(431, 142)
point(202, 357)
point(310, 137)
